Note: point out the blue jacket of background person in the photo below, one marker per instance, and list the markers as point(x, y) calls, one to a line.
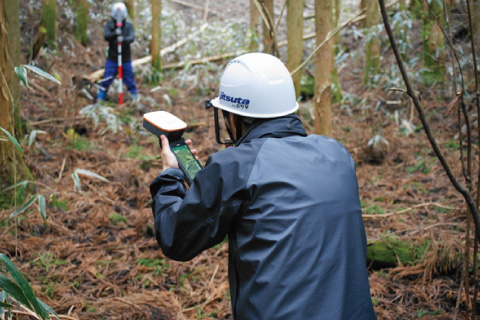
point(290, 206)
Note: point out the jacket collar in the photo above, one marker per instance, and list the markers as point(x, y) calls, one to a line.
point(274, 128)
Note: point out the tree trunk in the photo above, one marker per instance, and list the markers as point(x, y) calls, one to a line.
point(372, 53)
point(475, 11)
point(132, 11)
point(49, 21)
point(254, 27)
point(336, 88)
point(433, 54)
point(323, 68)
point(156, 35)
point(12, 165)
point(82, 22)
point(267, 33)
point(295, 39)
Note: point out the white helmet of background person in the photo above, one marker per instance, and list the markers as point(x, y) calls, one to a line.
point(256, 85)
point(119, 11)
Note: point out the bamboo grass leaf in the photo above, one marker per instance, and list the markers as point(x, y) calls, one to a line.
point(22, 74)
point(24, 182)
point(25, 287)
point(24, 206)
point(42, 73)
point(32, 136)
point(48, 308)
point(91, 174)
point(76, 180)
point(14, 291)
point(14, 141)
point(42, 205)
point(4, 305)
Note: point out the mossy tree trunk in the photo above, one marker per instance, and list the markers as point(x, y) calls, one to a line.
point(403, 43)
point(254, 27)
point(49, 21)
point(323, 68)
point(82, 22)
point(267, 33)
point(12, 165)
point(372, 50)
point(433, 48)
point(295, 39)
point(156, 35)
point(132, 11)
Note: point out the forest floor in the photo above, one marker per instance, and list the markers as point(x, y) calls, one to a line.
point(98, 257)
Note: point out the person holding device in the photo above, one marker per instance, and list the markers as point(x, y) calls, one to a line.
point(288, 202)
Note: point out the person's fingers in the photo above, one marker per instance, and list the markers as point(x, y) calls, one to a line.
point(168, 158)
point(188, 142)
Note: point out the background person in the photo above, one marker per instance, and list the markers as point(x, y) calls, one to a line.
point(288, 202)
point(126, 35)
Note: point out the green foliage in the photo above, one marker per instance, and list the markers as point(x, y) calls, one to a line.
point(158, 265)
point(420, 166)
point(20, 290)
point(48, 261)
point(117, 218)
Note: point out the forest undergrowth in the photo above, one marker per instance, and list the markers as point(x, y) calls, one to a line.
point(97, 258)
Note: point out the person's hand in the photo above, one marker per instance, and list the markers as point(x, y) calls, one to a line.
point(168, 158)
point(120, 39)
point(118, 31)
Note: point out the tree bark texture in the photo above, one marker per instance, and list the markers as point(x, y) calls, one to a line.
point(323, 68)
point(433, 54)
point(372, 50)
point(132, 11)
point(295, 39)
point(11, 161)
point(254, 27)
point(267, 33)
point(82, 22)
point(49, 21)
point(156, 35)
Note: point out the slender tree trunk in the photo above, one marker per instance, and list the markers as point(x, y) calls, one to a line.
point(475, 8)
point(132, 11)
point(156, 35)
point(433, 54)
point(82, 22)
point(267, 34)
point(12, 164)
point(336, 88)
point(323, 68)
point(254, 27)
point(295, 39)
point(49, 21)
point(372, 54)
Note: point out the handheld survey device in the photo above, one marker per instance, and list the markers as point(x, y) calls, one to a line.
point(162, 122)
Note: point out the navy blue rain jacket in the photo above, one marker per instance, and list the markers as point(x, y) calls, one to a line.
point(289, 204)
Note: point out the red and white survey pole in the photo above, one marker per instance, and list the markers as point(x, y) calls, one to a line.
point(119, 40)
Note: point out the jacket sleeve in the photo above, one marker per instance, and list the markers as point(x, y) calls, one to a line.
point(186, 223)
point(128, 33)
point(109, 31)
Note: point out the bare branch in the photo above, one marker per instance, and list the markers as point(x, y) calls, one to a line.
point(419, 107)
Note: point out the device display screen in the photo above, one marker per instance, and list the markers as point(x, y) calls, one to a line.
point(187, 160)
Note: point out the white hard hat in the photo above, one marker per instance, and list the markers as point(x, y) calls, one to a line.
point(119, 11)
point(256, 85)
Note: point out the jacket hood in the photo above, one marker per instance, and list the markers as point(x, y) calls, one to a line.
point(274, 128)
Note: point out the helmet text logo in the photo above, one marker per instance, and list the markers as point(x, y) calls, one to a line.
point(237, 102)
